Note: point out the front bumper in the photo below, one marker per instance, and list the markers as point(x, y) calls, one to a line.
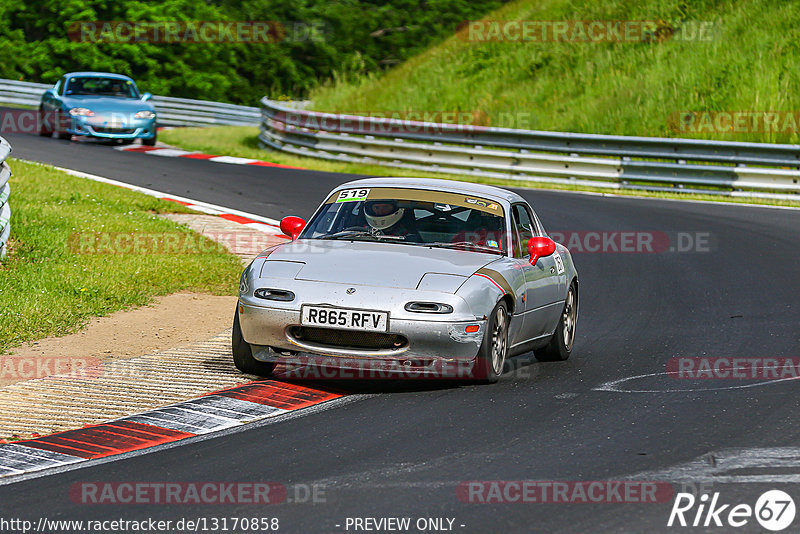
point(99, 127)
point(431, 344)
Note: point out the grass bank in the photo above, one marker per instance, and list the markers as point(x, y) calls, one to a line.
point(59, 273)
point(705, 56)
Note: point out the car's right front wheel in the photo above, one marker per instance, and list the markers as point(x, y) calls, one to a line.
point(243, 353)
point(44, 127)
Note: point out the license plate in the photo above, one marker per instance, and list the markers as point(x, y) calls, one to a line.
point(373, 321)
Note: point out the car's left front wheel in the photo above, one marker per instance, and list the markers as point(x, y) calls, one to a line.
point(560, 346)
point(243, 353)
point(150, 141)
point(492, 354)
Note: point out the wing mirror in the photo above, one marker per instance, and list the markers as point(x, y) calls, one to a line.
point(146, 97)
point(50, 92)
point(292, 226)
point(540, 247)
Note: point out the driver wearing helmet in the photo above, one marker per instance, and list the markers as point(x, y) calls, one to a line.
point(386, 217)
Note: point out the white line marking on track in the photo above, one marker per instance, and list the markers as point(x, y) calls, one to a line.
point(614, 385)
point(232, 159)
point(170, 152)
point(159, 194)
point(19, 459)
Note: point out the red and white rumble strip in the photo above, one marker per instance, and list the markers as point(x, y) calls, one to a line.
point(216, 411)
point(178, 153)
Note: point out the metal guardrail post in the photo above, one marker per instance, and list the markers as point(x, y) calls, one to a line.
point(5, 192)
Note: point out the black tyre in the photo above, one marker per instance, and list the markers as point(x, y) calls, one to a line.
point(243, 354)
point(560, 346)
point(45, 129)
point(151, 141)
point(492, 354)
point(60, 121)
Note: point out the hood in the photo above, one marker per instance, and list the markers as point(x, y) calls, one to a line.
point(107, 104)
point(376, 264)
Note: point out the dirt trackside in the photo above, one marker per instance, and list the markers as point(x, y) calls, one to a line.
point(170, 321)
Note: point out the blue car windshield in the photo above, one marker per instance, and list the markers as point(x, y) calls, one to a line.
point(411, 217)
point(101, 87)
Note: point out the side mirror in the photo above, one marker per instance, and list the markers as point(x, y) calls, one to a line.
point(292, 226)
point(540, 247)
point(146, 97)
point(50, 92)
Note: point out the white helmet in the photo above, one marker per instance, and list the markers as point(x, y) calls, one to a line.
point(382, 221)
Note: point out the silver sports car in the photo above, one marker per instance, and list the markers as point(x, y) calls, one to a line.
point(418, 277)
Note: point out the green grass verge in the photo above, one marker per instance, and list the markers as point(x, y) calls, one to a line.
point(48, 289)
point(242, 141)
point(746, 62)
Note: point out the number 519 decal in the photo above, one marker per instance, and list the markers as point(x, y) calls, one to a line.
point(350, 195)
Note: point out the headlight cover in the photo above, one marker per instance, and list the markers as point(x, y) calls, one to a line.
point(145, 114)
point(244, 288)
point(81, 112)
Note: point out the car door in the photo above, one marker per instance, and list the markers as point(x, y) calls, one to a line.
point(542, 296)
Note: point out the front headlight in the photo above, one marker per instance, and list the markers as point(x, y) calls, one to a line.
point(145, 114)
point(81, 112)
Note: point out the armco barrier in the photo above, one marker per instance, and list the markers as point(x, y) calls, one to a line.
point(607, 161)
point(170, 111)
point(5, 191)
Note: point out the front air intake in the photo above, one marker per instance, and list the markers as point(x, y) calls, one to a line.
point(347, 339)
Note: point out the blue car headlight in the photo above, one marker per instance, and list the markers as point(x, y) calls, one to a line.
point(145, 114)
point(81, 112)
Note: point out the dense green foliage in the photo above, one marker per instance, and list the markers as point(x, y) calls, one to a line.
point(350, 37)
point(747, 63)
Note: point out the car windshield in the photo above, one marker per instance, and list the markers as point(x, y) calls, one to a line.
point(101, 87)
point(413, 217)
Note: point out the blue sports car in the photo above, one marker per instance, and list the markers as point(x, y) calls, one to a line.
point(97, 104)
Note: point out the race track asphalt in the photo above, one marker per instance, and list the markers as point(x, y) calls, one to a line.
point(402, 449)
